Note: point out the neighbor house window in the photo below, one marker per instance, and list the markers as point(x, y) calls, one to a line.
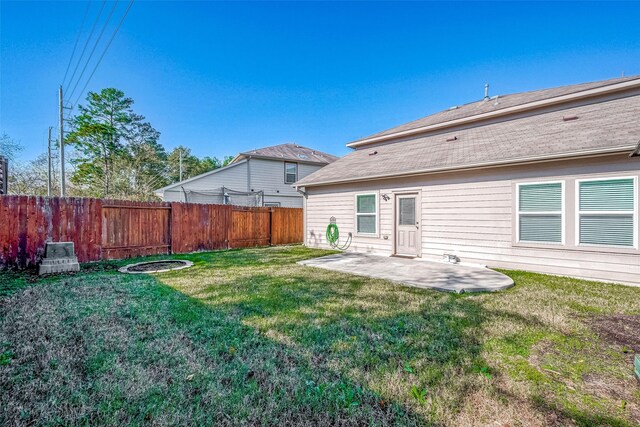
point(366, 214)
point(607, 212)
point(540, 213)
point(290, 173)
point(272, 204)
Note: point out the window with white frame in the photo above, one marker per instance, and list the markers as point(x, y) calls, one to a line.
point(290, 173)
point(540, 212)
point(367, 213)
point(607, 211)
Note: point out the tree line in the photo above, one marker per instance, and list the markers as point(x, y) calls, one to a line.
point(115, 153)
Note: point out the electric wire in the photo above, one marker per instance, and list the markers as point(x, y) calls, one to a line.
point(93, 50)
point(105, 51)
point(73, 52)
point(93, 28)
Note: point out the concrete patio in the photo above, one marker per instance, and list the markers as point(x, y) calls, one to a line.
point(419, 273)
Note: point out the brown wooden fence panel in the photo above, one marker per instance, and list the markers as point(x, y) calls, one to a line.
point(249, 227)
point(27, 222)
point(131, 229)
point(286, 226)
point(110, 229)
point(199, 227)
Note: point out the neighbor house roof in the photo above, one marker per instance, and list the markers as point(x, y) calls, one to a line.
point(292, 152)
point(605, 125)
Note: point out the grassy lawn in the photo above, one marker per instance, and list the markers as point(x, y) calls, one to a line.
point(250, 337)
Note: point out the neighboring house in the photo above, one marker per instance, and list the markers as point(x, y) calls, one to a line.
point(262, 177)
point(544, 181)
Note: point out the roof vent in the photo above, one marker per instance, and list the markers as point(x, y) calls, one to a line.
point(569, 118)
point(303, 156)
point(455, 107)
point(486, 92)
point(373, 153)
point(453, 138)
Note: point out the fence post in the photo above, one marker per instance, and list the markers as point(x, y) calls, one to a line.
point(170, 227)
point(271, 226)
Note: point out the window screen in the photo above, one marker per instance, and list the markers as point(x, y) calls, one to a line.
point(540, 212)
point(290, 173)
point(366, 214)
point(606, 212)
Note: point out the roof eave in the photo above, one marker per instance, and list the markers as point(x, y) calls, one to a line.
point(540, 159)
point(617, 87)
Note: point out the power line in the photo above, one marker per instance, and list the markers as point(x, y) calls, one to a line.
point(93, 28)
point(86, 12)
point(105, 51)
point(95, 45)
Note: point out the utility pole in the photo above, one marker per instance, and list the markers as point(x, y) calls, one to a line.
point(61, 137)
point(49, 159)
point(181, 165)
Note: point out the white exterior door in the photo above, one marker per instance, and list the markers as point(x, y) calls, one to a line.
point(407, 225)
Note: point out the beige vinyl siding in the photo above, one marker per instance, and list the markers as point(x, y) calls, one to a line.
point(472, 214)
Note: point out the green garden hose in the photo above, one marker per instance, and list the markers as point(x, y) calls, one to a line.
point(333, 237)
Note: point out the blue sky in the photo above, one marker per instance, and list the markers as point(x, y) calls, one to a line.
point(223, 77)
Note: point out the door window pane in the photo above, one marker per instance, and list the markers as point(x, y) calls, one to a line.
point(407, 208)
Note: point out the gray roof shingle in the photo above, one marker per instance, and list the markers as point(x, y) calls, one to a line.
point(503, 101)
point(601, 126)
point(293, 152)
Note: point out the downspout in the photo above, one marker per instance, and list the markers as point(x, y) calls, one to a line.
point(304, 215)
point(248, 173)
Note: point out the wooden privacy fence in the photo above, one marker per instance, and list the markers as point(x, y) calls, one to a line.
point(116, 229)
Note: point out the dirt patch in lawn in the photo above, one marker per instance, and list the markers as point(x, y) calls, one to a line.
point(619, 330)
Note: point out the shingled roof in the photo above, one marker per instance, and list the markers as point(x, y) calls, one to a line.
point(600, 126)
point(292, 152)
point(497, 103)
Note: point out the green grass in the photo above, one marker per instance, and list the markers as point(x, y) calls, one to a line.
point(250, 337)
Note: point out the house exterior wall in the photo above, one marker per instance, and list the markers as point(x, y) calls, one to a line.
point(268, 176)
point(473, 215)
point(234, 178)
point(255, 174)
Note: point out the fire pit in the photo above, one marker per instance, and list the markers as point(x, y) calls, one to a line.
point(156, 266)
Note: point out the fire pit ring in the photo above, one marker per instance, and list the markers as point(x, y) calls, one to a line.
point(159, 266)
